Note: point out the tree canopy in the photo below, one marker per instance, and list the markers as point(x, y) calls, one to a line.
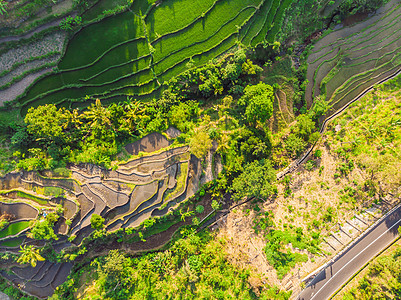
point(258, 100)
point(256, 180)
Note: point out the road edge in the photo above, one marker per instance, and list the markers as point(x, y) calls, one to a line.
point(363, 267)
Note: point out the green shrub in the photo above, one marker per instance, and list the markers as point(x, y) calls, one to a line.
point(97, 222)
point(200, 209)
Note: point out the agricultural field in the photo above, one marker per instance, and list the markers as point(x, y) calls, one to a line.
point(194, 149)
point(347, 61)
point(136, 52)
point(146, 186)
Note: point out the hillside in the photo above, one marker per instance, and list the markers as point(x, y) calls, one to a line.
point(173, 149)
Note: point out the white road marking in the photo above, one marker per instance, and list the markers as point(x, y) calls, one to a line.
point(354, 258)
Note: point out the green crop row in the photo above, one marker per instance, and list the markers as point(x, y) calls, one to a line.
point(203, 16)
point(245, 28)
point(196, 48)
point(108, 51)
point(75, 91)
point(63, 80)
point(24, 195)
point(200, 58)
point(60, 79)
point(14, 228)
point(132, 61)
point(179, 14)
point(100, 7)
point(196, 39)
point(117, 62)
point(100, 37)
point(278, 21)
point(257, 23)
point(267, 23)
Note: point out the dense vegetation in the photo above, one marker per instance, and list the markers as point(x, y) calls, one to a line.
point(194, 267)
point(145, 46)
point(223, 74)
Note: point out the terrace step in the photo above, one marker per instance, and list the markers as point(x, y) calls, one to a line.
point(148, 205)
point(140, 194)
point(112, 198)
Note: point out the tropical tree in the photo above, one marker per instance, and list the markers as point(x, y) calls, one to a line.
point(44, 122)
point(134, 113)
point(71, 118)
point(98, 117)
point(186, 214)
point(200, 143)
point(29, 255)
point(255, 181)
point(97, 222)
point(258, 100)
point(3, 7)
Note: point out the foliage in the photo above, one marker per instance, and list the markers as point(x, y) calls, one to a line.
point(3, 223)
point(3, 7)
point(29, 255)
point(70, 23)
point(97, 222)
point(294, 145)
point(42, 229)
point(215, 205)
point(370, 136)
point(194, 267)
point(200, 143)
point(256, 180)
point(13, 292)
point(200, 209)
point(180, 115)
point(258, 100)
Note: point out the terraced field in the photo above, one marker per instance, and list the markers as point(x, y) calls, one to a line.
point(136, 51)
point(347, 61)
point(149, 185)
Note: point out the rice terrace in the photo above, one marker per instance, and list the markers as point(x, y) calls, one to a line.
point(200, 149)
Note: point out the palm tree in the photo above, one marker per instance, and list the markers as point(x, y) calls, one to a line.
point(71, 118)
point(29, 255)
point(98, 116)
point(134, 112)
point(186, 214)
point(3, 7)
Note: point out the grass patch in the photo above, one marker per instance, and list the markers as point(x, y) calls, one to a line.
point(180, 185)
point(12, 242)
point(14, 228)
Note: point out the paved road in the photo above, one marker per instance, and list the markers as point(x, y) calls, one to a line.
point(344, 266)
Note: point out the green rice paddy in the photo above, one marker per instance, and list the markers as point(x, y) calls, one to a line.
point(12, 242)
point(136, 51)
point(14, 228)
